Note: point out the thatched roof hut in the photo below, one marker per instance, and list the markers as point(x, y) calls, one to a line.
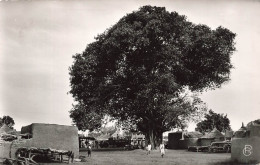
point(241, 132)
point(182, 140)
point(214, 134)
point(5, 129)
point(195, 134)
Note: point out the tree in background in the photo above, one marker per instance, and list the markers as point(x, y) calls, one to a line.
point(212, 120)
point(9, 121)
point(103, 131)
point(146, 69)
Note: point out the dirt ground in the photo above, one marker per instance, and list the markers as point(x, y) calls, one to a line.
point(172, 157)
point(139, 157)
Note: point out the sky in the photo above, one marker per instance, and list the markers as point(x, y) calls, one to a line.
point(39, 38)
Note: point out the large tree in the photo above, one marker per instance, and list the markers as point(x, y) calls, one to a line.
point(139, 71)
point(214, 120)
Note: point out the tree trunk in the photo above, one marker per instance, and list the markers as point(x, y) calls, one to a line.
point(154, 138)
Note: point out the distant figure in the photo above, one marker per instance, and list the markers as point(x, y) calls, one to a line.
point(162, 149)
point(89, 150)
point(83, 144)
point(149, 147)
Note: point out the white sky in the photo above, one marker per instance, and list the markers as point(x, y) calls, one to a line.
point(38, 39)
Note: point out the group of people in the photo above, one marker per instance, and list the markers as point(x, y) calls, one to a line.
point(161, 148)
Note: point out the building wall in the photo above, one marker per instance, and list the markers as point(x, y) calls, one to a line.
point(5, 149)
point(54, 136)
point(27, 129)
point(205, 142)
point(246, 149)
point(184, 144)
point(191, 142)
point(173, 140)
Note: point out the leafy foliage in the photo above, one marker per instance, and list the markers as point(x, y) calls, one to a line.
point(9, 121)
point(85, 119)
point(103, 131)
point(213, 120)
point(139, 70)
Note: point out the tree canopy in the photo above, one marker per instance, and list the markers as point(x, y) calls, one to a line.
point(9, 121)
point(214, 120)
point(104, 130)
point(145, 69)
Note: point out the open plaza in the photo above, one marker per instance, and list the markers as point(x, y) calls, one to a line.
point(172, 157)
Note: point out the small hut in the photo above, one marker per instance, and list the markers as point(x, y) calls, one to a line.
point(214, 135)
point(174, 139)
point(59, 137)
point(193, 137)
point(241, 132)
point(182, 140)
point(189, 139)
point(5, 129)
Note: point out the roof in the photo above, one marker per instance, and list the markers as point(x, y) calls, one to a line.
point(213, 134)
point(253, 124)
point(195, 134)
point(229, 133)
point(242, 129)
point(103, 137)
point(241, 132)
point(5, 129)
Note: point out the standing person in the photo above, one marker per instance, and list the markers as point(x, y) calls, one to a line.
point(89, 150)
point(149, 147)
point(162, 149)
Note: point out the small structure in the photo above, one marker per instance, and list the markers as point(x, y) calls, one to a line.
point(138, 140)
point(213, 136)
point(228, 135)
point(84, 141)
point(5, 129)
point(182, 140)
point(53, 136)
point(173, 139)
point(245, 144)
point(241, 132)
point(190, 139)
